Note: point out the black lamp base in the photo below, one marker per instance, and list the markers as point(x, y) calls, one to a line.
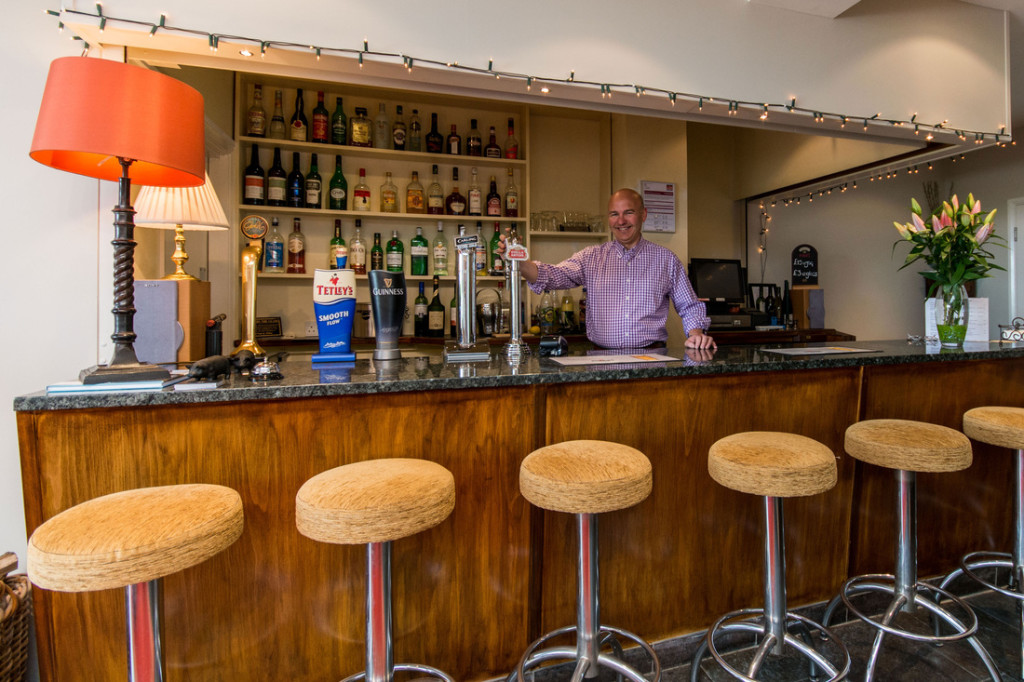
point(105, 374)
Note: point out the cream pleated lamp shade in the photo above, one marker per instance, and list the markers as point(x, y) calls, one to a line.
point(194, 208)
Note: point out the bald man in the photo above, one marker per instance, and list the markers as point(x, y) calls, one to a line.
point(629, 282)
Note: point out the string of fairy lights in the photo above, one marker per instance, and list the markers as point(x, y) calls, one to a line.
point(249, 46)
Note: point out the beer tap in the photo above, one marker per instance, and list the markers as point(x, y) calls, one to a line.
point(465, 348)
point(515, 253)
point(253, 228)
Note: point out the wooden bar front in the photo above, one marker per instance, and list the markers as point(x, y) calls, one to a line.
point(470, 594)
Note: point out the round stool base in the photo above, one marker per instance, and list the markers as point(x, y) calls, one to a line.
point(751, 621)
point(408, 667)
point(973, 562)
point(610, 636)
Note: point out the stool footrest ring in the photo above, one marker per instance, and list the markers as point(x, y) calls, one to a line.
point(408, 667)
point(534, 655)
point(976, 560)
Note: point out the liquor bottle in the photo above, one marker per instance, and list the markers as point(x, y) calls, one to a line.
point(481, 250)
point(382, 129)
point(415, 142)
point(339, 125)
point(295, 192)
point(455, 203)
point(415, 199)
point(338, 190)
point(361, 193)
point(297, 250)
point(419, 316)
point(511, 144)
point(435, 196)
point(769, 305)
point(321, 120)
point(337, 252)
point(475, 196)
point(389, 195)
point(277, 181)
point(453, 145)
point(376, 253)
point(357, 252)
point(440, 251)
point(254, 180)
point(419, 253)
point(492, 150)
point(474, 143)
point(299, 126)
point(547, 314)
point(314, 185)
point(398, 129)
point(274, 261)
point(511, 197)
point(257, 115)
point(568, 316)
point(583, 312)
point(497, 262)
point(277, 126)
point(395, 256)
point(435, 143)
point(360, 129)
point(787, 306)
point(453, 314)
point(435, 313)
point(494, 200)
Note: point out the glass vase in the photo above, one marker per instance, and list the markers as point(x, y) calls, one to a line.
point(951, 310)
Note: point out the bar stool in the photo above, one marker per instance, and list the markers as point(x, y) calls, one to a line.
point(132, 539)
point(375, 503)
point(586, 478)
point(1003, 427)
point(775, 466)
point(908, 447)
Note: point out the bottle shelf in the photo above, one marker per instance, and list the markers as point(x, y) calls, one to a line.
point(269, 276)
point(381, 154)
point(424, 218)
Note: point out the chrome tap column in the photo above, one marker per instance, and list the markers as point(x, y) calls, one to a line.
point(465, 347)
point(515, 253)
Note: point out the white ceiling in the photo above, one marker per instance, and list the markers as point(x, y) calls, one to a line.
point(821, 8)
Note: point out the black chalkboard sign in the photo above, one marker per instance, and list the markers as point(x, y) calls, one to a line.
point(805, 264)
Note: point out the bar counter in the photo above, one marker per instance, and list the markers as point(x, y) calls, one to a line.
point(472, 593)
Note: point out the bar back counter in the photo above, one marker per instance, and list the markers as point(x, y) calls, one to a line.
point(471, 593)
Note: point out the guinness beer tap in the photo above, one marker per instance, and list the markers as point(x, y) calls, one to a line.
point(515, 349)
point(465, 347)
point(387, 300)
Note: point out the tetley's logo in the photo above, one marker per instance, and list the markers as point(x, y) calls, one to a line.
point(333, 285)
point(333, 288)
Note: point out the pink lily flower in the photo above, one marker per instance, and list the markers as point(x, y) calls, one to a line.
point(918, 224)
point(956, 202)
point(977, 207)
point(984, 233)
point(936, 225)
point(946, 220)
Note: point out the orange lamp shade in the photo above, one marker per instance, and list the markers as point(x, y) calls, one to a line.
point(95, 111)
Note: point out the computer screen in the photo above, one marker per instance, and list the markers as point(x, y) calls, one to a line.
point(717, 279)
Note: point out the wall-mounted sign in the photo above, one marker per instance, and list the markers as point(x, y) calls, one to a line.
point(805, 265)
point(660, 201)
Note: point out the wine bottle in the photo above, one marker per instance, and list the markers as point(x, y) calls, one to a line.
point(455, 203)
point(256, 117)
point(511, 143)
point(787, 306)
point(337, 252)
point(435, 143)
point(297, 250)
point(583, 312)
point(453, 314)
point(419, 324)
point(497, 262)
point(492, 150)
point(321, 120)
point(474, 143)
point(435, 196)
point(376, 253)
point(395, 255)
point(299, 126)
point(274, 261)
point(361, 193)
point(511, 196)
point(382, 128)
point(296, 189)
point(389, 195)
point(419, 253)
point(339, 125)
point(277, 126)
point(277, 181)
point(494, 200)
point(435, 313)
point(357, 252)
point(454, 143)
point(415, 142)
point(314, 185)
point(360, 129)
point(338, 190)
point(480, 253)
point(254, 180)
point(398, 130)
point(415, 200)
point(474, 195)
point(440, 251)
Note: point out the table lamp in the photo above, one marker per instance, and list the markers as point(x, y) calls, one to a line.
point(180, 208)
point(115, 121)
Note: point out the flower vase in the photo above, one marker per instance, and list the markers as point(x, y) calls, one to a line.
point(951, 310)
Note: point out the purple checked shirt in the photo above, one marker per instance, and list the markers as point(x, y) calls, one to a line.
point(627, 292)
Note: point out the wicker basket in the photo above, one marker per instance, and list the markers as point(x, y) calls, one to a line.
point(15, 617)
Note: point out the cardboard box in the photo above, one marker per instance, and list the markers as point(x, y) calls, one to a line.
point(193, 312)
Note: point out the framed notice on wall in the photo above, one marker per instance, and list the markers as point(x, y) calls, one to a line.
point(660, 201)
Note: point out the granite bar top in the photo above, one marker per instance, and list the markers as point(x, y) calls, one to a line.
point(427, 372)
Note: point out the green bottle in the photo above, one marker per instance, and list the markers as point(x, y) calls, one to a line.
point(419, 323)
point(395, 256)
point(497, 262)
point(338, 188)
point(419, 253)
point(339, 126)
point(454, 308)
point(337, 252)
point(376, 253)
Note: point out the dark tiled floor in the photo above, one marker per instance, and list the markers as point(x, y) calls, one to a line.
point(900, 661)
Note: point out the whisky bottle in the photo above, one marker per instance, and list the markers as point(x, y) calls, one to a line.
point(475, 196)
point(296, 187)
point(435, 313)
point(389, 195)
point(337, 252)
point(453, 145)
point(474, 143)
point(511, 197)
point(419, 324)
point(497, 262)
point(277, 126)
point(360, 129)
point(511, 143)
point(415, 141)
point(376, 253)
point(435, 143)
point(455, 203)
point(314, 185)
point(274, 261)
point(435, 196)
point(257, 115)
point(415, 200)
point(398, 130)
point(493, 200)
point(492, 150)
point(419, 253)
point(339, 125)
point(481, 250)
point(321, 120)
point(299, 126)
point(440, 251)
point(361, 193)
point(382, 129)
point(357, 252)
point(338, 190)
point(277, 181)
point(254, 180)
point(453, 314)
point(297, 250)
point(395, 255)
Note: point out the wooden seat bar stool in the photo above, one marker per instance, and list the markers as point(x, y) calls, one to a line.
point(375, 503)
point(132, 539)
point(909, 448)
point(586, 478)
point(1003, 427)
point(775, 466)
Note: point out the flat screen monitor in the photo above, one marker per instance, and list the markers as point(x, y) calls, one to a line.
point(717, 279)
